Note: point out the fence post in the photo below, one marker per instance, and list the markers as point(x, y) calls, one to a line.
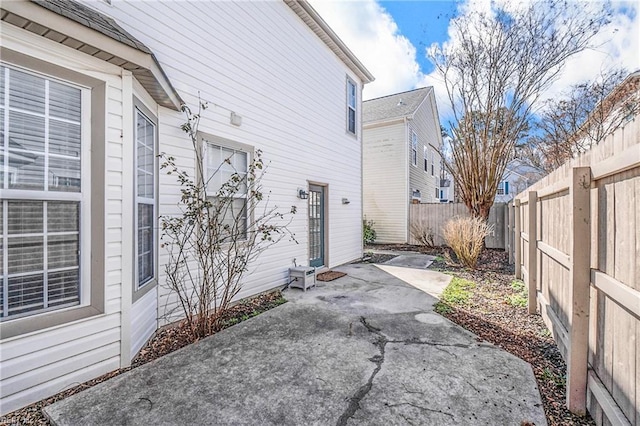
point(532, 267)
point(580, 277)
point(505, 216)
point(510, 236)
point(517, 238)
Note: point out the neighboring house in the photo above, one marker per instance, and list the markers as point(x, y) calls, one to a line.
point(402, 164)
point(518, 176)
point(89, 98)
point(447, 185)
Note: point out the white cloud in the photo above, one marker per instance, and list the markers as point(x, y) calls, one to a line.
point(373, 36)
point(617, 46)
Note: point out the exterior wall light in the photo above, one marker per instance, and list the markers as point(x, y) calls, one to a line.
point(302, 194)
point(345, 201)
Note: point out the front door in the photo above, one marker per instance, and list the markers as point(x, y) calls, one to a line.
point(316, 225)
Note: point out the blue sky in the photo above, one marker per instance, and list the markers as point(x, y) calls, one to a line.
point(391, 37)
point(422, 22)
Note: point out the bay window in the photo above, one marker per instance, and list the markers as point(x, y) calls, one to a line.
point(145, 142)
point(44, 200)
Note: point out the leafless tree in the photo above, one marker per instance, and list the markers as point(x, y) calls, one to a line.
point(219, 234)
point(586, 114)
point(494, 70)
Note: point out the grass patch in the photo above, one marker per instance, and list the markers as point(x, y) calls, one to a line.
point(520, 299)
point(457, 293)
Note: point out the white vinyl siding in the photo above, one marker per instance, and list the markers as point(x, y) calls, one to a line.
point(427, 127)
point(288, 87)
point(145, 137)
point(386, 199)
point(43, 361)
point(40, 185)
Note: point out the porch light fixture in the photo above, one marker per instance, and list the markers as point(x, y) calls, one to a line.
point(302, 194)
point(345, 201)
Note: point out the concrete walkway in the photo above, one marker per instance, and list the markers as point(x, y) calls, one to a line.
point(366, 349)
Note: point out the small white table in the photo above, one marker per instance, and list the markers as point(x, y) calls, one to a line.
point(303, 277)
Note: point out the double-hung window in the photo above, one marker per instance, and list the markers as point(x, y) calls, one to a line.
point(44, 196)
point(352, 98)
point(226, 182)
point(503, 188)
point(425, 155)
point(433, 164)
point(145, 137)
point(414, 148)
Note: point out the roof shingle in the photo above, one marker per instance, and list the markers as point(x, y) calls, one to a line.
point(393, 106)
point(92, 19)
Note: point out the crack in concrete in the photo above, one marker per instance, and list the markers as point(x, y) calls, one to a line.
point(415, 341)
point(420, 407)
point(354, 401)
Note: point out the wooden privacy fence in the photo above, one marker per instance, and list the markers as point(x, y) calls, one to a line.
point(577, 242)
point(435, 216)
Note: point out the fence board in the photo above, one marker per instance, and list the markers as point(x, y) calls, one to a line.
point(611, 227)
point(435, 216)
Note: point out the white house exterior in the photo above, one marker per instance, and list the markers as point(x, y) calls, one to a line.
point(88, 101)
point(518, 176)
point(402, 164)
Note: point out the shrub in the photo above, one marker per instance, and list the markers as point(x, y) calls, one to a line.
point(422, 233)
point(368, 233)
point(465, 236)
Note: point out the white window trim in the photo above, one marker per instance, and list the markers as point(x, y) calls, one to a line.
point(349, 107)
point(414, 148)
point(207, 139)
point(83, 197)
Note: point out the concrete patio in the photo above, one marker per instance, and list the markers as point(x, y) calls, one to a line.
point(364, 349)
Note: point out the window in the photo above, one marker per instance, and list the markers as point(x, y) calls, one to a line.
point(437, 193)
point(351, 106)
point(503, 188)
point(425, 155)
point(222, 163)
point(43, 192)
point(414, 148)
point(145, 137)
point(433, 163)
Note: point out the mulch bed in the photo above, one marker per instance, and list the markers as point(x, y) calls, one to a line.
point(165, 341)
point(376, 258)
point(493, 316)
point(330, 275)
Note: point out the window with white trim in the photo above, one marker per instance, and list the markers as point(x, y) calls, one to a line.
point(425, 155)
point(145, 136)
point(352, 99)
point(433, 164)
point(414, 148)
point(222, 163)
point(43, 192)
point(503, 188)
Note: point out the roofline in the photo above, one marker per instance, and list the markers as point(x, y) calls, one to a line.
point(399, 93)
point(66, 31)
point(399, 117)
point(385, 121)
point(314, 21)
point(635, 75)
